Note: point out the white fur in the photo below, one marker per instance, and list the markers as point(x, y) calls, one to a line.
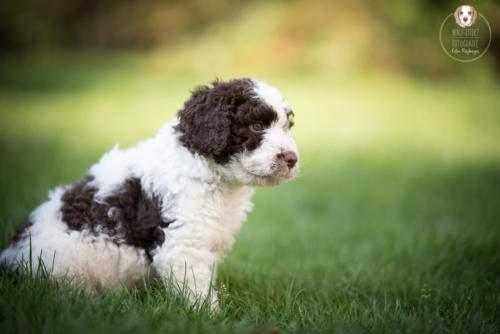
point(260, 164)
point(465, 16)
point(208, 200)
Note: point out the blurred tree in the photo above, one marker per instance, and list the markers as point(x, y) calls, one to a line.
point(390, 34)
point(29, 24)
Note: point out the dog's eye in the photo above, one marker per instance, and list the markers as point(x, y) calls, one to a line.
point(461, 13)
point(290, 120)
point(256, 127)
point(469, 13)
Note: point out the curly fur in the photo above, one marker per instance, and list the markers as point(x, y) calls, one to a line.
point(215, 120)
point(128, 217)
point(171, 205)
point(21, 231)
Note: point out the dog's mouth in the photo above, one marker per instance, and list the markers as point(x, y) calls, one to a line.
point(272, 177)
point(265, 180)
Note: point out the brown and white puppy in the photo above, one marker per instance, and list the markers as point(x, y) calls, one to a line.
point(465, 16)
point(171, 205)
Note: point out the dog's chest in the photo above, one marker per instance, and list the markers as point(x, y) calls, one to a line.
point(209, 219)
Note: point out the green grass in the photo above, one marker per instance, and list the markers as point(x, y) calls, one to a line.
point(392, 226)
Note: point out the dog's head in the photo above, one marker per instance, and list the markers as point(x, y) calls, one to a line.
point(243, 125)
point(465, 16)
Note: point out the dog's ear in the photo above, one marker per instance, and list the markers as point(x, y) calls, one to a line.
point(474, 15)
point(457, 15)
point(205, 121)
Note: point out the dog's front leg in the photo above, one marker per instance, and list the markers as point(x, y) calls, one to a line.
point(192, 271)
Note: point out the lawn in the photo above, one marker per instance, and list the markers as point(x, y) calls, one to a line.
point(393, 224)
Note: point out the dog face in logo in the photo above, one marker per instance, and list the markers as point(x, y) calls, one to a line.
point(465, 16)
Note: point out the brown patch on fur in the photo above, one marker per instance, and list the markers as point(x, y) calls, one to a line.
point(215, 120)
point(129, 215)
point(21, 231)
point(474, 16)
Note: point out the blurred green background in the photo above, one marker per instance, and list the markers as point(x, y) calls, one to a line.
point(393, 224)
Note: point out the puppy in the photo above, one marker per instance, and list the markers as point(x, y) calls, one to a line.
point(171, 205)
point(465, 16)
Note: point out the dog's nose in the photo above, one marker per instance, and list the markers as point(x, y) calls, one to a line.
point(289, 157)
point(465, 18)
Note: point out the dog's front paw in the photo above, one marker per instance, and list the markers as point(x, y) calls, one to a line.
point(214, 305)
